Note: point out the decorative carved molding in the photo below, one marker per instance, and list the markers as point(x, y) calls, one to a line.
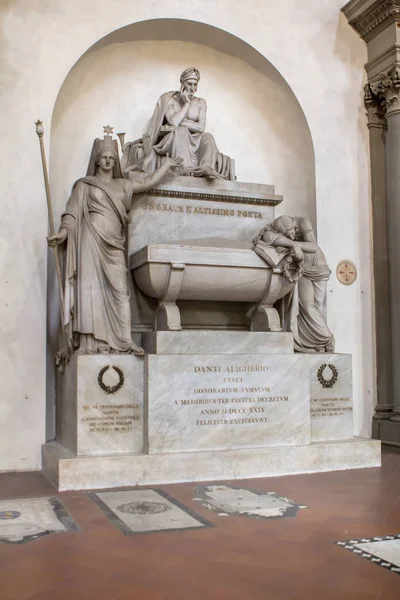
point(375, 108)
point(382, 62)
point(387, 89)
point(213, 197)
point(373, 17)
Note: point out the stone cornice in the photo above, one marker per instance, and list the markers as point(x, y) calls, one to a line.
point(368, 19)
point(383, 62)
point(273, 200)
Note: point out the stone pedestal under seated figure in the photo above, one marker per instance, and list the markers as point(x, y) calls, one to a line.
point(100, 404)
point(190, 208)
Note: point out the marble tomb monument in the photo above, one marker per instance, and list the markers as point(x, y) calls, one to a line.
point(196, 343)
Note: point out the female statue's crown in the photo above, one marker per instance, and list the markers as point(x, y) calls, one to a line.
point(107, 144)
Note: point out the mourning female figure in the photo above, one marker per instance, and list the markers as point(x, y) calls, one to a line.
point(97, 311)
point(307, 313)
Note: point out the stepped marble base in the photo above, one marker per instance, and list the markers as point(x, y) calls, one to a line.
point(69, 472)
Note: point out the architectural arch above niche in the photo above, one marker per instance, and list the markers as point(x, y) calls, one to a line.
point(252, 112)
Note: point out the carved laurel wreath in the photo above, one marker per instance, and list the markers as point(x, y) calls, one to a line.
point(327, 383)
point(111, 389)
point(293, 269)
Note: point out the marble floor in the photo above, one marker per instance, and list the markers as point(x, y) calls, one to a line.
point(328, 536)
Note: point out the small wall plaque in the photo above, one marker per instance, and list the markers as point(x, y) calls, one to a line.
point(346, 272)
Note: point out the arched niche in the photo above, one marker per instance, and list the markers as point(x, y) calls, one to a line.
point(252, 112)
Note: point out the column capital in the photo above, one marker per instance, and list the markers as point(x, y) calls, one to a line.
point(386, 88)
point(374, 105)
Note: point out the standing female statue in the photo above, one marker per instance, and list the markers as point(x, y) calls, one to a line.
point(308, 316)
point(97, 312)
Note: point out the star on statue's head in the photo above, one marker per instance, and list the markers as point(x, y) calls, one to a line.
point(108, 129)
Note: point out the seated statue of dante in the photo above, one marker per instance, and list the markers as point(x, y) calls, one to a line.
point(177, 129)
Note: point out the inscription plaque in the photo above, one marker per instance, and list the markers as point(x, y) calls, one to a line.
point(221, 401)
point(109, 416)
point(331, 406)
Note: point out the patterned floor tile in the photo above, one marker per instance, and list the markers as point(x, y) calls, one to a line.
point(146, 511)
point(235, 501)
point(25, 519)
point(383, 550)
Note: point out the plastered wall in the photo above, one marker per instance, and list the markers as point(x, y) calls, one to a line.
point(314, 52)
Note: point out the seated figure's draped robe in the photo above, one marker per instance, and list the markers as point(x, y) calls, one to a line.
point(199, 151)
point(97, 310)
point(304, 311)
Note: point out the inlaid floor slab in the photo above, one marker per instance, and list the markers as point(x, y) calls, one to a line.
point(236, 501)
point(24, 519)
point(382, 550)
point(146, 511)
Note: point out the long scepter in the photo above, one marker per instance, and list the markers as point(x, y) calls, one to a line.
point(40, 132)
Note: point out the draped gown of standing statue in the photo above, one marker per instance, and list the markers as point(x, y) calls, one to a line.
point(304, 310)
point(97, 313)
point(312, 331)
point(97, 310)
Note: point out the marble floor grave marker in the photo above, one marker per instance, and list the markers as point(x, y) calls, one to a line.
point(237, 501)
point(220, 402)
point(145, 511)
point(381, 550)
point(25, 519)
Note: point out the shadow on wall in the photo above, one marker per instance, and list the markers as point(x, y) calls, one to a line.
point(252, 113)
